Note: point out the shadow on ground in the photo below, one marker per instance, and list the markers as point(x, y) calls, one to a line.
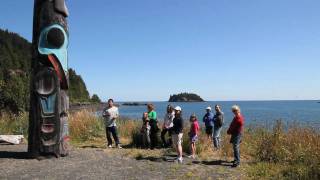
point(214, 163)
point(14, 155)
point(172, 158)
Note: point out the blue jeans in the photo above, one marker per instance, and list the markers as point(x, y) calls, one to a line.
point(112, 131)
point(216, 136)
point(236, 140)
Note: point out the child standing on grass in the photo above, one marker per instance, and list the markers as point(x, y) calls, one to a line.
point(193, 134)
point(145, 131)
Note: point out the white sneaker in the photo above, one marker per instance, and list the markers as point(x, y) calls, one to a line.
point(180, 160)
point(110, 146)
point(192, 157)
point(119, 147)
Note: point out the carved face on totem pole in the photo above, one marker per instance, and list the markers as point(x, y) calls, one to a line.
point(49, 102)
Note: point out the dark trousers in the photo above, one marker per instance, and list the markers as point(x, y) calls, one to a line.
point(236, 140)
point(154, 134)
point(112, 130)
point(163, 137)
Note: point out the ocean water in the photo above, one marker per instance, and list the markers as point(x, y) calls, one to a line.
point(306, 113)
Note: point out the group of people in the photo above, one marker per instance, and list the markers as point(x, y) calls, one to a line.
point(173, 125)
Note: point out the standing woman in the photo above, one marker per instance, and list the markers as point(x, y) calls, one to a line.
point(152, 116)
point(167, 125)
point(235, 130)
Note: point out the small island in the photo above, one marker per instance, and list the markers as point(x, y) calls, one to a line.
point(134, 104)
point(185, 97)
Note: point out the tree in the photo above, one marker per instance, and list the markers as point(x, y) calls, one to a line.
point(95, 98)
point(15, 70)
point(77, 91)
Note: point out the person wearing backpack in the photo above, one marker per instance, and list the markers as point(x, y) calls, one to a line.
point(218, 123)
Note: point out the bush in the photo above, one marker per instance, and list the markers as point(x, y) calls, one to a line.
point(14, 124)
point(85, 126)
point(297, 149)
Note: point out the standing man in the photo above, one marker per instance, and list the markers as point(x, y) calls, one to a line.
point(177, 131)
point(208, 121)
point(218, 123)
point(110, 114)
point(167, 125)
point(235, 130)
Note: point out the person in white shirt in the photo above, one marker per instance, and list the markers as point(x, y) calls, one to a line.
point(111, 114)
point(167, 125)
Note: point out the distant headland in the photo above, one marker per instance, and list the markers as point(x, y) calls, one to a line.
point(185, 97)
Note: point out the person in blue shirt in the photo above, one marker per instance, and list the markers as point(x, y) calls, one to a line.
point(208, 120)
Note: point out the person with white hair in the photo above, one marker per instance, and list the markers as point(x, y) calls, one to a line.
point(235, 130)
point(177, 131)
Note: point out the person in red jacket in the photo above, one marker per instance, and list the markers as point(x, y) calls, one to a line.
point(235, 130)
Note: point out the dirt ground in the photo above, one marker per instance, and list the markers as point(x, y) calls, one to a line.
point(97, 163)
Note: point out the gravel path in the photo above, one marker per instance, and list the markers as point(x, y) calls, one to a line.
point(93, 163)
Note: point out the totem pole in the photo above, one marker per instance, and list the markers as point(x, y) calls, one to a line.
point(49, 102)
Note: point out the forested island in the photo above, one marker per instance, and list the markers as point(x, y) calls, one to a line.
point(15, 72)
point(185, 97)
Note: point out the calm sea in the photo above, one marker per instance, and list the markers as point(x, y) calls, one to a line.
point(255, 112)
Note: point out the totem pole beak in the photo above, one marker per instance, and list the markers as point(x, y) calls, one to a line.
point(60, 6)
point(57, 67)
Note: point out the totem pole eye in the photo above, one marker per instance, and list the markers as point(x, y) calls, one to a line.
point(45, 83)
point(55, 37)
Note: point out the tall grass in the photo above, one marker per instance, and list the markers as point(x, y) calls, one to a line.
point(296, 150)
point(280, 152)
point(85, 126)
point(14, 124)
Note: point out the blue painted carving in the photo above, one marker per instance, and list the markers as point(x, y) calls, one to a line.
point(45, 48)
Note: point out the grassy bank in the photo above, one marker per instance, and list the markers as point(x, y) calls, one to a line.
point(293, 153)
point(281, 153)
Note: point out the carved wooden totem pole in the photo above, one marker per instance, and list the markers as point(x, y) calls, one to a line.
point(49, 102)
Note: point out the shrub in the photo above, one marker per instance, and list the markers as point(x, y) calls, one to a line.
point(14, 124)
point(85, 126)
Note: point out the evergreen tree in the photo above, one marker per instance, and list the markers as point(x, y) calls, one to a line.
point(15, 69)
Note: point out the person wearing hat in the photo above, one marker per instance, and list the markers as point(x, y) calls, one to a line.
point(208, 121)
point(177, 131)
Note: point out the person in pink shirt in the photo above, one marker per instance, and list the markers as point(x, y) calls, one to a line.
point(193, 134)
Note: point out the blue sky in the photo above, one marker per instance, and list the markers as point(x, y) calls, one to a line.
point(145, 50)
